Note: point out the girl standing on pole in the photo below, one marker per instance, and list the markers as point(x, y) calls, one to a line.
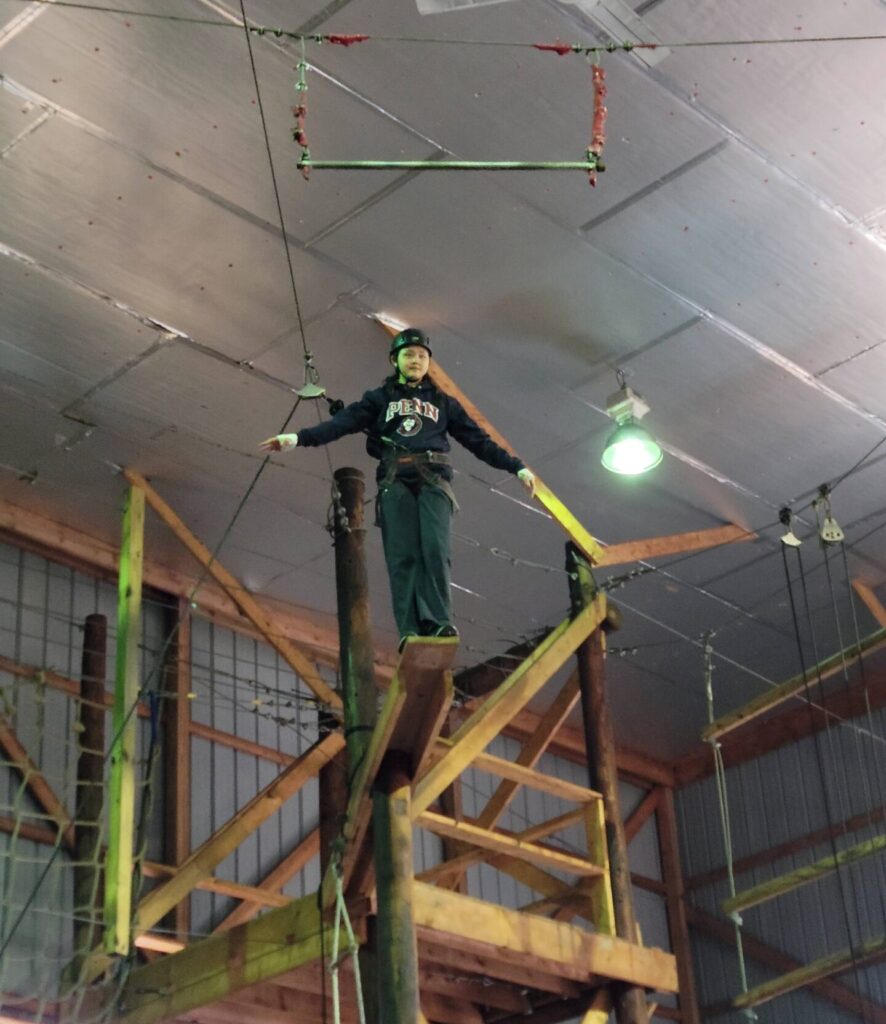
point(408, 422)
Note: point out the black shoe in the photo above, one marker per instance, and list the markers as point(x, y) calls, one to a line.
point(447, 629)
point(403, 639)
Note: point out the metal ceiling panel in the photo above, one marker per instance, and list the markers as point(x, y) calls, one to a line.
point(210, 137)
point(201, 396)
point(813, 108)
point(763, 256)
point(88, 210)
point(51, 321)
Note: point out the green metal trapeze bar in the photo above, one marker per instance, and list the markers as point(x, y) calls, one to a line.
point(453, 165)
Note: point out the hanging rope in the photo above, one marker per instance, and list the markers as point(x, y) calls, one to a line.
point(830, 817)
point(725, 821)
point(352, 950)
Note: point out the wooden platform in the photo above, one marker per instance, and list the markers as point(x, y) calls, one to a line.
point(478, 962)
point(475, 959)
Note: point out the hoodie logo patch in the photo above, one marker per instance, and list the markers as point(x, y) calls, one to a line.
point(412, 410)
point(410, 425)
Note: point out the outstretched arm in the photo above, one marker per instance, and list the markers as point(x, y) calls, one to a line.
point(469, 433)
point(279, 443)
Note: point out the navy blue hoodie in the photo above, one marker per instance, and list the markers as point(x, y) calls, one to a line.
point(412, 419)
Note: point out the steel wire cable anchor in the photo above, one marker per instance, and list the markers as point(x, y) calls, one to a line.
point(312, 388)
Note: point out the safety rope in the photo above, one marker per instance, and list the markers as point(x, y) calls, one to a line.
point(352, 950)
point(725, 820)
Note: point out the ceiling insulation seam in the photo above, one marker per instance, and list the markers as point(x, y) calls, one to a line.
point(66, 279)
point(654, 186)
point(856, 224)
point(25, 132)
point(284, 47)
point(756, 346)
point(103, 135)
point(369, 201)
point(19, 22)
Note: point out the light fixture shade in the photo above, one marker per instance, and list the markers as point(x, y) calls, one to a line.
point(631, 450)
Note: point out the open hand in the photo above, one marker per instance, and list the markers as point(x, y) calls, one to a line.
point(527, 478)
point(279, 443)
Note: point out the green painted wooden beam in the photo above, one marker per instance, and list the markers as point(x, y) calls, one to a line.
point(121, 822)
point(802, 876)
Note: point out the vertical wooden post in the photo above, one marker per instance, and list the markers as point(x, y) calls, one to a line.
point(90, 791)
point(177, 753)
point(121, 828)
point(355, 638)
point(451, 806)
point(676, 906)
point(630, 1002)
point(397, 950)
point(357, 670)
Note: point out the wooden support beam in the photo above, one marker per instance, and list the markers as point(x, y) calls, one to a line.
point(311, 630)
point(121, 789)
point(642, 813)
point(868, 819)
point(512, 696)
point(435, 952)
point(446, 1010)
point(272, 883)
point(215, 968)
point(36, 782)
point(872, 951)
point(792, 687)
point(498, 842)
point(236, 890)
point(803, 876)
point(871, 601)
point(474, 855)
point(669, 846)
point(554, 947)
point(515, 772)
point(674, 544)
point(532, 751)
point(201, 862)
point(495, 995)
point(247, 604)
point(528, 757)
point(826, 988)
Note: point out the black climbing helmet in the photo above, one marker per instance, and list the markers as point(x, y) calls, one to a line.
point(409, 336)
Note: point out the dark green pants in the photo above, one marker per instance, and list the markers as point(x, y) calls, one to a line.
point(415, 529)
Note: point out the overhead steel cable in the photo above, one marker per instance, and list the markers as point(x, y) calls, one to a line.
point(562, 48)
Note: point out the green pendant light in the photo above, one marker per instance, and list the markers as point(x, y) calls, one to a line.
point(630, 449)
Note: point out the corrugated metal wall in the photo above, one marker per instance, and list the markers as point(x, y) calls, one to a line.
point(812, 784)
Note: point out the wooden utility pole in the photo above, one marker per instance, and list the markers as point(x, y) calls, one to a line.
point(630, 1002)
point(356, 652)
point(397, 950)
point(177, 752)
point(357, 671)
point(90, 792)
